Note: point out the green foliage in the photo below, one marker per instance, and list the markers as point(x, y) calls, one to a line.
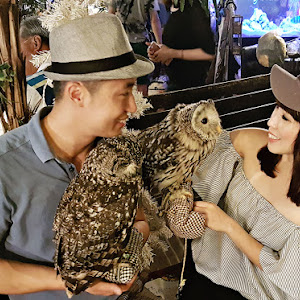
point(204, 4)
point(6, 77)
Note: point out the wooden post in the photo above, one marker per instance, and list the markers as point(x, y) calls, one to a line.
point(15, 107)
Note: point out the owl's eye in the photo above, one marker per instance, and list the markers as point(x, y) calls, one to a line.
point(204, 121)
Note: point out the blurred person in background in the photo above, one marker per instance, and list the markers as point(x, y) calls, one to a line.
point(34, 39)
point(134, 15)
point(188, 46)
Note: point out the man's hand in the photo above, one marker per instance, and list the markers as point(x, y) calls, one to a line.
point(108, 289)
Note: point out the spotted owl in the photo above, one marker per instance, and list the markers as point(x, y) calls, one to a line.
point(94, 220)
point(174, 148)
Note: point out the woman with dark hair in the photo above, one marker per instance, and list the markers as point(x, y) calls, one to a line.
point(250, 187)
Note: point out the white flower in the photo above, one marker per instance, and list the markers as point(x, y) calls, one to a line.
point(142, 104)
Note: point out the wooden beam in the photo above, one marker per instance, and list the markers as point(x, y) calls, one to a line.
point(214, 91)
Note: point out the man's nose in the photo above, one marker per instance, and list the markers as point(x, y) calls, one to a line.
point(131, 105)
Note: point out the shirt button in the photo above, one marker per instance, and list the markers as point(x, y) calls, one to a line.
point(71, 169)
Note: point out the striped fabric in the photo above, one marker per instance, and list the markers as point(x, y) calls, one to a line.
point(38, 81)
point(216, 256)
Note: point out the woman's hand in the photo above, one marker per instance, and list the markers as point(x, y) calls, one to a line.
point(160, 53)
point(215, 218)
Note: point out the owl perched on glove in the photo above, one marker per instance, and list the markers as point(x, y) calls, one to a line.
point(173, 149)
point(93, 224)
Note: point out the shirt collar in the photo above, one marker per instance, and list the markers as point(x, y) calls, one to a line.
point(36, 135)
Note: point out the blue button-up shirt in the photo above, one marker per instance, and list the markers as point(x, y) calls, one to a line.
point(32, 182)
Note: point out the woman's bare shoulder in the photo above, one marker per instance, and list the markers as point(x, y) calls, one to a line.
point(249, 140)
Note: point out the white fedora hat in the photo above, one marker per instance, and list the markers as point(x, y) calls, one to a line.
point(94, 47)
point(285, 87)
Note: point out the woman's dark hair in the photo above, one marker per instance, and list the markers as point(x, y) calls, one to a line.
point(268, 161)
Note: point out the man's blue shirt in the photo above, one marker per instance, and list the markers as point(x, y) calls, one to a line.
point(32, 182)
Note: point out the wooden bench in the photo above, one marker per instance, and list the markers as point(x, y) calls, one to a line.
point(241, 103)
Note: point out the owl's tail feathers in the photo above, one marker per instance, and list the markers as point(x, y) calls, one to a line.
point(75, 286)
point(75, 282)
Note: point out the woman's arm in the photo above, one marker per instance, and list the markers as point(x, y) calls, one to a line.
point(216, 219)
point(156, 26)
point(141, 224)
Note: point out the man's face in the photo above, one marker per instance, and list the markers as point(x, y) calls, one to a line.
point(26, 47)
point(27, 50)
point(106, 109)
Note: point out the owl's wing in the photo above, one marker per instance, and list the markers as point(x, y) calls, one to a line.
point(159, 145)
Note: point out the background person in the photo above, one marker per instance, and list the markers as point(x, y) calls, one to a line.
point(134, 15)
point(34, 38)
point(188, 47)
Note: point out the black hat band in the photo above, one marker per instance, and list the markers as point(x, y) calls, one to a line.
point(92, 66)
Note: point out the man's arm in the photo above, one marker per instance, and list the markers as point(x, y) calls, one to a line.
point(141, 224)
point(21, 278)
point(156, 26)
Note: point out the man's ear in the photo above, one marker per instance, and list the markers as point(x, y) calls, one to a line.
point(37, 43)
point(76, 92)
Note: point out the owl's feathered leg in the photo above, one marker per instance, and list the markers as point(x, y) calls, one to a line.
point(180, 194)
point(171, 193)
point(74, 287)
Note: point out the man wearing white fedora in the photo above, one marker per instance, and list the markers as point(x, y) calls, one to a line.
point(94, 63)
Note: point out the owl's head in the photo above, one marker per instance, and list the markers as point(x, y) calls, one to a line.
point(206, 121)
point(123, 168)
point(200, 119)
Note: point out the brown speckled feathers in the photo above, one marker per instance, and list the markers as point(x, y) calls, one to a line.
point(94, 219)
point(174, 148)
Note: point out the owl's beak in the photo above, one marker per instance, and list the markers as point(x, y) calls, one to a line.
point(219, 129)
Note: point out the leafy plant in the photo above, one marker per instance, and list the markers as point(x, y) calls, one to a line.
point(6, 77)
point(32, 7)
point(204, 4)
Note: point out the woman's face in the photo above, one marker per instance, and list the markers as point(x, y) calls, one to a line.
point(283, 131)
